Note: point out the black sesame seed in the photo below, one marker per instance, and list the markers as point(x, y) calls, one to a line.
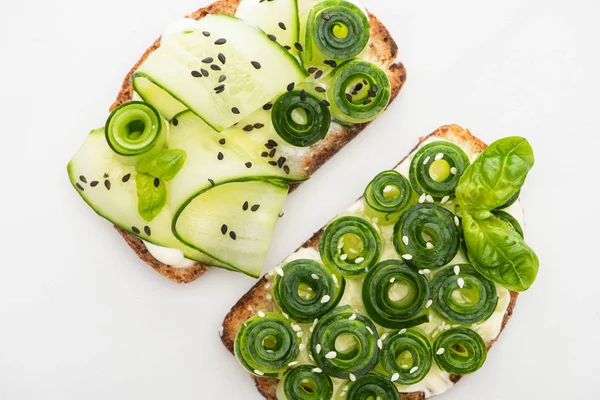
point(107, 184)
point(105, 175)
point(212, 183)
point(147, 230)
point(291, 86)
point(318, 74)
point(333, 64)
point(196, 74)
point(215, 67)
point(245, 206)
point(272, 153)
point(258, 126)
point(272, 142)
point(235, 110)
point(82, 179)
point(175, 122)
point(248, 128)
point(365, 82)
point(264, 154)
point(325, 16)
point(222, 58)
point(126, 178)
point(367, 101)
point(358, 87)
point(255, 207)
point(204, 72)
point(222, 141)
point(222, 78)
point(268, 145)
point(282, 26)
point(349, 97)
point(287, 47)
point(374, 88)
point(220, 41)
point(79, 186)
point(232, 235)
point(303, 95)
point(219, 89)
point(281, 214)
point(320, 89)
point(206, 33)
point(223, 229)
point(273, 163)
point(281, 161)
point(272, 37)
point(220, 156)
point(248, 164)
point(286, 169)
point(267, 106)
point(135, 230)
point(371, 93)
point(312, 70)
point(156, 182)
point(94, 183)
point(208, 60)
point(325, 103)
point(298, 46)
point(255, 64)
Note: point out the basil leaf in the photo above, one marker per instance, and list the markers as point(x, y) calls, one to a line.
point(152, 196)
point(499, 253)
point(164, 165)
point(495, 176)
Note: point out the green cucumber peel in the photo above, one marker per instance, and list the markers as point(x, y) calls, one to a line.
point(302, 383)
point(370, 386)
point(152, 196)
point(164, 165)
point(459, 351)
point(387, 196)
point(418, 350)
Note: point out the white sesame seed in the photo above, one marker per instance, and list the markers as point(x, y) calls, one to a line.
point(370, 330)
point(261, 314)
point(353, 250)
point(439, 156)
point(325, 299)
point(429, 198)
point(388, 189)
point(425, 161)
point(445, 199)
point(299, 334)
point(345, 388)
point(429, 303)
point(424, 271)
point(352, 377)
point(457, 269)
point(352, 317)
point(383, 336)
point(279, 271)
point(456, 221)
point(440, 351)
point(404, 366)
point(285, 315)
point(422, 198)
point(311, 357)
point(317, 370)
point(221, 331)
point(359, 260)
point(380, 343)
point(268, 296)
point(414, 369)
point(330, 355)
point(318, 348)
point(335, 280)
point(257, 372)
point(407, 256)
point(429, 245)
point(395, 377)
point(302, 346)
point(343, 257)
point(405, 240)
point(453, 170)
point(460, 282)
point(268, 285)
point(315, 276)
point(392, 280)
point(292, 363)
point(296, 328)
point(402, 331)
point(343, 394)
point(340, 244)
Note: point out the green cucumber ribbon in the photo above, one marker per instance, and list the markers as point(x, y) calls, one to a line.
point(344, 343)
point(134, 129)
point(436, 169)
point(265, 345)
point(406, 357)
point(307, 290)
point(350, 245)
point(359, 91)
point(370, 386)
point(390, 310)
point(462, 295)
point(387, 196)
point(459, 351)
point(300, 118)
point(303, 383)
point(338, 29)
point(427, 236)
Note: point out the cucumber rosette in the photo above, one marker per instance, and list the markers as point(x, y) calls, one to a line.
point(135, 129)
point(387, 196)
point(395, 295)
point(359, 91)
point(344, 343)
point(302, 383)
point(427, 236)
point(300, 118)
point(406, 357)
point(436, 169)
point(371, 386)
point(265, 345)
point(350, 245)
point(459, 351)
point(462, 295)
point(307, 290)
point(510, 219)
point(337, 29)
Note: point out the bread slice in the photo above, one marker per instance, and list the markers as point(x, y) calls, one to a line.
point(382, 50)
point(256, 298)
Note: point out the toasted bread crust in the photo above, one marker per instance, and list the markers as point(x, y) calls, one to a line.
point(256, 300)
point(381, 49)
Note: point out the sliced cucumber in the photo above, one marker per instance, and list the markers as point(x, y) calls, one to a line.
point(109, 187)
point(222, 70)
point(234, 223)
point(277, 18)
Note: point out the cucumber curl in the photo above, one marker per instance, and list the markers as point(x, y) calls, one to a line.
point(266, 345)
point(370, 386)
point(300, 118)
point(359, 91)
point(411, 369)
point(359, 353)
point(427, 236)
point(387, 196)
point(383, 308)
point(436, 169)
point(339, 29)
point(350, 245)
point(302, 383)
point(135, 129)
point(463, 298)
point(321, 290)
point(463, 351)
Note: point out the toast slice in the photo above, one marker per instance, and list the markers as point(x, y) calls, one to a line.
point(257, 299)
point(381, 50)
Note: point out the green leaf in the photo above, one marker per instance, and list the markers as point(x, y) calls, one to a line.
point(152, 195)
point(499, 253)
point(496, 175)
point(164, 165)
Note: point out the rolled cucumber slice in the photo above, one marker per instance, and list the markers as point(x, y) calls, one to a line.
point(222, 69)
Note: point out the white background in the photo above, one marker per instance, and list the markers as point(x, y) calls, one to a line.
point(82, 318)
